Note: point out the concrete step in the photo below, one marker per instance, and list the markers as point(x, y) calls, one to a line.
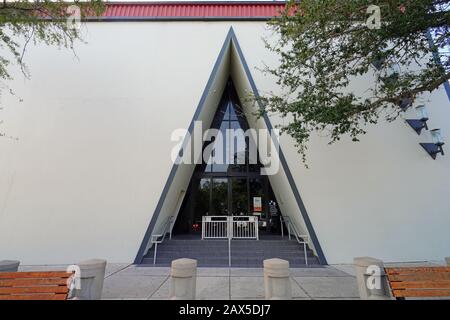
point(234, 241)
point(245, 253)
point(224, 252)
point(234, 248)
point(235, 262)
point(233, 245)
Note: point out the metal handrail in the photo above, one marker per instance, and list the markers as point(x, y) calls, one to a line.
point(302, 239)
point(227, 229)
point(159, 238)
point(230, 227)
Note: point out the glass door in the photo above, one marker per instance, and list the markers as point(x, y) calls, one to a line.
point(258, 206)
point(219, 198)
point(239, 197)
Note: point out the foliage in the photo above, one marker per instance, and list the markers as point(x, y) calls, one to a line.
point(326, 45)
point(42, 21)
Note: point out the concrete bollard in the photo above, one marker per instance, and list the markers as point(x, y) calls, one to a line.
point(447, 260)
point(92, 275)
point(277, 282)
point(183, 279)
point(371, 278)
point(9, 265)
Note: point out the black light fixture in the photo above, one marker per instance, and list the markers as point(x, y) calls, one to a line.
point(391, 73)
point(421, 123)
point(378, 63)
point(405, 103)
point(436, 146)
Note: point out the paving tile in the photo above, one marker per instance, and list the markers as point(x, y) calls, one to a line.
point(163, 291)
point(329, 287)
point(318, 272)
point(136, 282)
point(134, 270)
point(213, 288)
point(246, 272)
point(208, 288)
point(119, 286)
point(112, 268)
point(347, 268)
point(297, 291)
point(213, 272)
point(247, 287)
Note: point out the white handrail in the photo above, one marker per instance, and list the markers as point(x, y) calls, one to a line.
point(215, 227)
point(302, 239)
point(159, 238)
point(230, 227)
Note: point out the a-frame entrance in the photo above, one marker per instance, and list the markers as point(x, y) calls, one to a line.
point(229, 182)
point(181, 180)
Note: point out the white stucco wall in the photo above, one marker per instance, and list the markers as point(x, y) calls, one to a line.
point(93, 152)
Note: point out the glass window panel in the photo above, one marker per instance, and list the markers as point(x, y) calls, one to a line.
point(233, 113)
point(201, 205)
point(237, 147)
point(220, 163)
point(239, 197)
point(220, 197)
point(257, 205)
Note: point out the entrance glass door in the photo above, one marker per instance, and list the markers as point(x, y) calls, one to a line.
point(239, 197)
point(220, 197)
point(228, 182)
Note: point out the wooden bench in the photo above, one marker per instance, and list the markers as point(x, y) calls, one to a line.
point(49, 285)
point(419, 282)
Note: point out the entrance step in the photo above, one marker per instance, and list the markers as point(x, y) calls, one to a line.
point(244, 253)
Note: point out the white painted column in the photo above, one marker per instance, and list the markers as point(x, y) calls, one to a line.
point(9, 265)
point(371, 279)
point(183, 279)
point(92, 275)
point(447, 260)
point(277, 283)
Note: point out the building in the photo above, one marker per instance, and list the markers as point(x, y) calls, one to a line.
point(91, 172)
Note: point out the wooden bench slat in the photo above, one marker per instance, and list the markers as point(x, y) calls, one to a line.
point(416, 282)
point(40, 289)
point(419, 277)
point(34, 297)
point(410, 270)
point(439, 284)
point(46, 274)
point(421, 293)
point(47, 285)
point(26, 282)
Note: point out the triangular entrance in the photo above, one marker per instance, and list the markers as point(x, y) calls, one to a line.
point(229, 181)
point(224, 103)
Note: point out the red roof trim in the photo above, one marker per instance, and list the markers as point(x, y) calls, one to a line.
point(191, 10)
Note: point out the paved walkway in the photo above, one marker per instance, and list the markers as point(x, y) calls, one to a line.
point(124, 281)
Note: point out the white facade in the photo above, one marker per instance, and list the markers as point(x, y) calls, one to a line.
point(93, 151)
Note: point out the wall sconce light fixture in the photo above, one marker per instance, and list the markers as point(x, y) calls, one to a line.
point(436, 147)
point(405, 103)
point(378, 63)
point(390, 74)
point(421, 123)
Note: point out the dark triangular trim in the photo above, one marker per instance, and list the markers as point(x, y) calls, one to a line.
point(295, 191)
point(231, 38)
point(174, 169)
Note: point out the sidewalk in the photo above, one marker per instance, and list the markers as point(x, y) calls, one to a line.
point(124, 281)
